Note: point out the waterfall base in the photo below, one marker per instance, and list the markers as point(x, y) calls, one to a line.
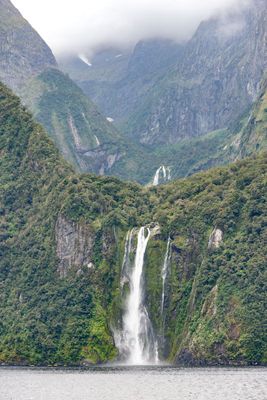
point(136, 342)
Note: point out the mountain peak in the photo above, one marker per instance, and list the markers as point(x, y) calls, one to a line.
point(23, 52)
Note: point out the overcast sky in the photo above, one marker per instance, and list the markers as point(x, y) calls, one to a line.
point(80, 26)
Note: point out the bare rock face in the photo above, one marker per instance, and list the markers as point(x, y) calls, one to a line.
point(74, 246)
point(102, 158)
point(214, 83)
point(23, 52)
point(210, 307)
point(215, 239)
point(205, 85)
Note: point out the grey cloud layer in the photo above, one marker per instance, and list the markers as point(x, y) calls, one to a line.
point(81, 26)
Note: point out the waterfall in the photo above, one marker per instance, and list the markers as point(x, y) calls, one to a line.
point(164, 274)
point(125, 270)
point(168, 173)
point(97, 141)
point(156, 177)
point(137, 340)
point(163, 174)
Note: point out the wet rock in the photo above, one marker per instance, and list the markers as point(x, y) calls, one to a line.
point(74, 245)
point(215, 239)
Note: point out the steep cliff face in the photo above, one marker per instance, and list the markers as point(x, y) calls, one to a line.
point(171, 100)
point(74, 246)
point(216, 80)
point(253, 136)
point(118, 80)
point(23, 52)
point(28, 66)
point(81, 133)
point(62, 241)
point(166, 92)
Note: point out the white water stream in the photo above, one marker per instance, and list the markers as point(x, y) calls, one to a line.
point(164, 274)
point(162, 175)
point(137, 340)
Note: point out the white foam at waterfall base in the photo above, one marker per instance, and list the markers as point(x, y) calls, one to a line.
point(137, 338)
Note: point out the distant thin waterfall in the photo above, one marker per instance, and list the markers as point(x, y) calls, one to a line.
point(137, 340)
point(97, 141)
point(168, 171)
point(156, 177)
point(163, 174)
point(164, 274)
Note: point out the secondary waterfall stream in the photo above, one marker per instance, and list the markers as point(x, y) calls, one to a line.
point(164, 274)
point(137, 340)
point(162, 175)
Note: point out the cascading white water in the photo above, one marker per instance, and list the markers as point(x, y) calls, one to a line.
point(126, 258)
point(168, 173)
point(137, 340)
point(156, 177)
point(163, 174)
point(164, 274)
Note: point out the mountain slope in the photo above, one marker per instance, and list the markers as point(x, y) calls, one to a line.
point(244, 137)
point(167, 92)
point(117, 81)
point(23, 52)
point(62, 239)
point(254, 134)
point(28, 66)
point(183, 107)
point(83, 136)
point(214, 83)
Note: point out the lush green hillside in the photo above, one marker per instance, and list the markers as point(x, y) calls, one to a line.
point(27, 65)
point(184, 158)
point(254, 133)
point(62, 244)
point(82, 135)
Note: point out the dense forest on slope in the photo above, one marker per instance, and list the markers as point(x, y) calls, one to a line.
point(85, 139)
point(62, 238)
point(254, 133)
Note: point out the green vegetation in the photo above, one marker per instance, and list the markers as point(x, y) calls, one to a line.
point(71, 119)
point(254, 134)
point(216, 297)
point(184, 158)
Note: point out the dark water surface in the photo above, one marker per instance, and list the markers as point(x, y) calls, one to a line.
point(139, 383)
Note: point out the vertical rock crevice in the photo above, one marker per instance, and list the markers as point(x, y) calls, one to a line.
point(74, 243)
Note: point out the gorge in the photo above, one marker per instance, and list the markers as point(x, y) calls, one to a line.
point(99, 269)
point(60, 303)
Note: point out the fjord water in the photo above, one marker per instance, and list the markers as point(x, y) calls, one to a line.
point(117, 383)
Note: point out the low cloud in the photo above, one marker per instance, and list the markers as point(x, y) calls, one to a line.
point(83, 26)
